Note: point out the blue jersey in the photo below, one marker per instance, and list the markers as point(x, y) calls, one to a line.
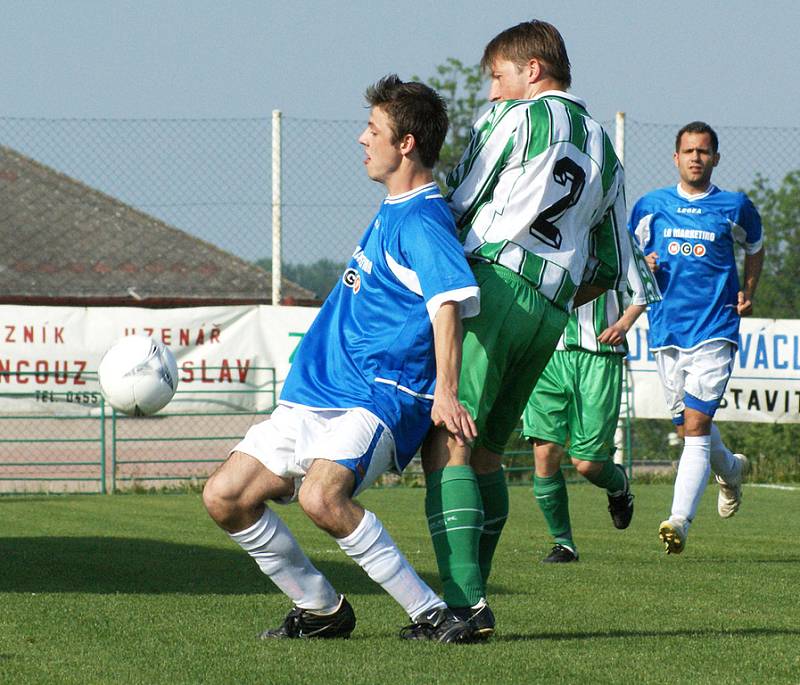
point(694, 237)
point(371, 345)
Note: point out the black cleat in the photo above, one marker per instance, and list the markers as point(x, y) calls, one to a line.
point(560, 554)
point(480, 619)
point(302, 624)
point(621, 506)
point(438, 625)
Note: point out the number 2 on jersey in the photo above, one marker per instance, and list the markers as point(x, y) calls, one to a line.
point(568, 173)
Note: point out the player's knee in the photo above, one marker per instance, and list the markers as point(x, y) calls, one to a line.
point(320, 503)
point(587, 468)
point(221, 500)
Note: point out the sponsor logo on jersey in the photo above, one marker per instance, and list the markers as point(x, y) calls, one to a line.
point(362, 260)
point(674, 247)
point(689, 210)
point(699, 250)
point(352, 279)
point(690, 234)
point(686, 249)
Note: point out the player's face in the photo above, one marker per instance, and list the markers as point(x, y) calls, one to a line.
point(383, 156)
point(695, 160)
point(508, 81)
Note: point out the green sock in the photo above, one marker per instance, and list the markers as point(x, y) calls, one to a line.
point(455, 518)
point(551, 496)
point(494, 495)
point(610, 478)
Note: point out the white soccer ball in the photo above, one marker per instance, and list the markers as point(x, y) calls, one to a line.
point(138, 375)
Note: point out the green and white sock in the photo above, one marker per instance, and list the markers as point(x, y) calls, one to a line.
point(609, 478)
point(551, 496)
point(455, 519)
point(494, 496)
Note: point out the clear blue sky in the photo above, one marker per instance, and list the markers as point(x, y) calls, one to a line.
point(731, 63)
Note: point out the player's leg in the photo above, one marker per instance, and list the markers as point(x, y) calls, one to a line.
point(729, 470)
point(593, 417)
point(550, 491)
point(532, 328)
point(704, 374)
point(235, 498)
point(453, 502)
point(544, 423)
point(505, 332)
point(455, 516)
point(356, 449)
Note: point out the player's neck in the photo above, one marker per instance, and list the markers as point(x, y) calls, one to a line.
point(543, 86)
point(407, 177)
point(694, 190)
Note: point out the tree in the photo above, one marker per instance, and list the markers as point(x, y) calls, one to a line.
point(319, 276)
point(460, 86)
point(779, 207)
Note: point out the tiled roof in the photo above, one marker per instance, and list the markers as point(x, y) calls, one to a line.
point(64, 242)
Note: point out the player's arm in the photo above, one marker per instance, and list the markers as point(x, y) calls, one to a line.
point(643, 289)
point(747, 231)
point(615, 333)
point(447, 411)
point(753, 263)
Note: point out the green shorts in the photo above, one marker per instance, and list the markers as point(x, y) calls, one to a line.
point(578, 397)
point(506, 348)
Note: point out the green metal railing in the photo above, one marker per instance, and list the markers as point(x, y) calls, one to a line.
point(56, 440)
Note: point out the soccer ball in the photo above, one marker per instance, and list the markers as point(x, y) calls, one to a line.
point(138, 375)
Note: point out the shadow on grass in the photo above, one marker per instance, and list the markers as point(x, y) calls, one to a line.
point(132, 565)
point(627, 634)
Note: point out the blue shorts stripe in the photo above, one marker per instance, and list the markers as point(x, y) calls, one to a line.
point(360, 465)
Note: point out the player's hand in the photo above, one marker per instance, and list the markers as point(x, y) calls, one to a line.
point(448, 413)
point(744, 307)
point(652, 261)
point(613, 335)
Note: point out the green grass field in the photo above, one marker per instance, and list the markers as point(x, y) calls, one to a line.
point(145, 589)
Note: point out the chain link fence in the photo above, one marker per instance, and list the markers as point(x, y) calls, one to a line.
point(213, 180)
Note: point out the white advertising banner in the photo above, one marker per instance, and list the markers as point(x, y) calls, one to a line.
point(764, 387)
point(228, 357)
point(237, 357)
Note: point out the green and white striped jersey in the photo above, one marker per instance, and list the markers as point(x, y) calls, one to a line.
point(588, 321)
point(540, 191)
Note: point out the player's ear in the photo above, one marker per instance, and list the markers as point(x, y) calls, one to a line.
point(534, 70)
point(675, 159)
point(716, 159)
point(407, 144)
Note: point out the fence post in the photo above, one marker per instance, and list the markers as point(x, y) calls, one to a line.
point(619, 136)
point(277, 294)
point(622, 435)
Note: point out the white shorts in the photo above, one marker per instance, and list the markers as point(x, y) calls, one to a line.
point(695, 378)
point(294, 436)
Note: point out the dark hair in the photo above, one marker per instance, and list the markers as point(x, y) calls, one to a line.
point(412, 108)
point(697, 127)
point(531, 40)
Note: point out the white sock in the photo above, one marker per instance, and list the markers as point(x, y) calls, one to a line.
point(372, 548)
point(723, 463)
point(692, 478)
point(278, 555)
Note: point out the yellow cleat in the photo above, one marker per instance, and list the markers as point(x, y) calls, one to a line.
point(673, 535)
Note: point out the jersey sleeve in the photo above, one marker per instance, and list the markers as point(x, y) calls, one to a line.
point(642, 285)
point(747, 227)
point(431, 263)
point(610, 246)
point(639, 225)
